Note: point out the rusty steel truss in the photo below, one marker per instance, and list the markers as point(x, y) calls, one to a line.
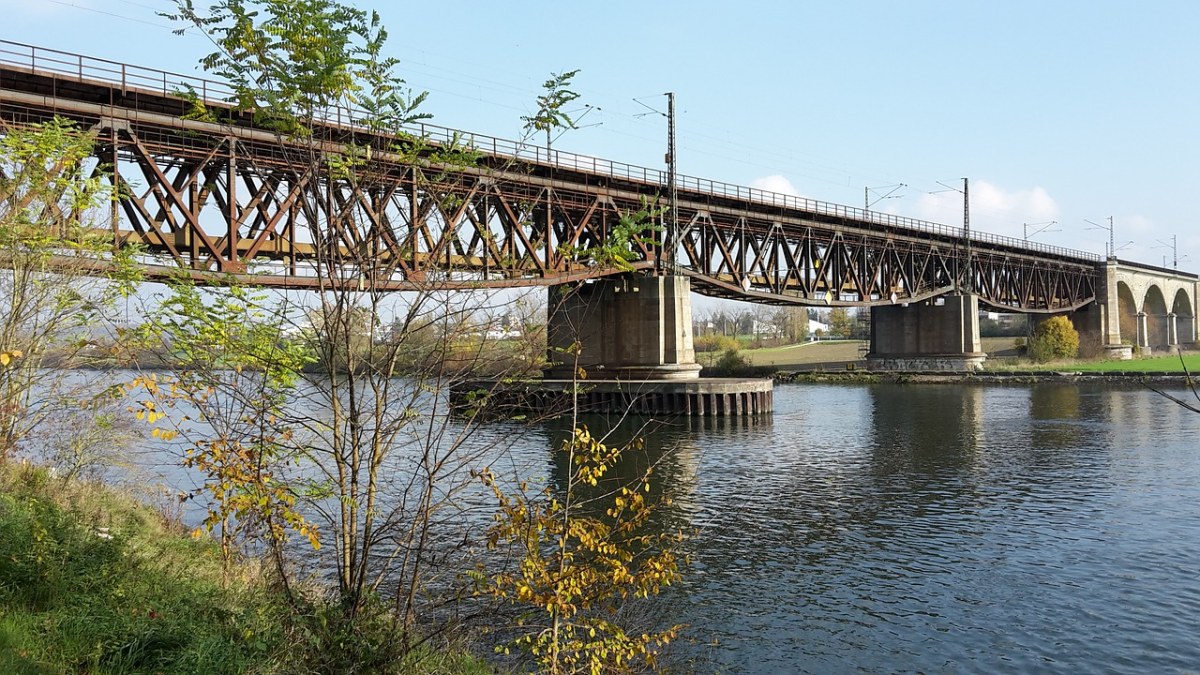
point(442, 209)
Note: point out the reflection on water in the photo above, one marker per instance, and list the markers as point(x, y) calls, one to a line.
point(917, 528)
point(945, 529)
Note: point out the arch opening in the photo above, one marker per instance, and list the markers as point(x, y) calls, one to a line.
point(1185, 319)
point(1157, 333)
point(1127, 311)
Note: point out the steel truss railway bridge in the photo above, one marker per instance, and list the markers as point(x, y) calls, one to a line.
point(211, 198)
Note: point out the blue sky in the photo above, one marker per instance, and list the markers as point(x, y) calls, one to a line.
point(1057, 111)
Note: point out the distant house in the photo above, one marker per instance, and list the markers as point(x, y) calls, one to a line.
point(1003, 318)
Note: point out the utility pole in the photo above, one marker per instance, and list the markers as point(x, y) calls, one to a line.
point(890, 194)
point(967, 229)
point(1112, 242)
point(672, 238)
point(1041, 227)
point(1174, 246)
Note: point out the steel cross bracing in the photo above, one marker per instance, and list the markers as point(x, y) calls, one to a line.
point(214, 199)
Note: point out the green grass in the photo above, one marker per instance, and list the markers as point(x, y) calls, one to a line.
point(1153, 364)
point(92, 581)
point(826, 351)
point(806, 353)
point(840, 351)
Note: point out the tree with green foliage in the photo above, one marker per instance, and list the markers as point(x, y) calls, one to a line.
point(376, 456)
point(731, 362)
point(792, 323)
point(62, 280)
point(291, 62)
point(233, 379)
point(841, 324)
point(627, 241)
point(551, 114)
point(374, 462)
point(1054, 338)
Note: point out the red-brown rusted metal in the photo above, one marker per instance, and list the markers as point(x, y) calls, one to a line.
point(213, 199)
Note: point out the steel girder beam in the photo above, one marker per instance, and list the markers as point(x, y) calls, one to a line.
point(219, 199)
point(792, 260)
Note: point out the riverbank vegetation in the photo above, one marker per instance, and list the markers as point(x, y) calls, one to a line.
point(1004, 355)
point(337, 508)
point(92, 580)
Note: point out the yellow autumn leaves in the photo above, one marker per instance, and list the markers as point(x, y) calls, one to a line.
point(577, 569)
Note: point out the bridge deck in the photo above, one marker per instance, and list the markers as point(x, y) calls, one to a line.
point(232, 198)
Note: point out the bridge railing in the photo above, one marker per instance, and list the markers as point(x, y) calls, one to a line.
point(87, 68)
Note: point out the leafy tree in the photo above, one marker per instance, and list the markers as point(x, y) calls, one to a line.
point(627, 240)
point(841, 324)
point(792, 323)
point(376, 453)
point(1054, 338)
point(731, 362)
point(575, 570)
point(62, 281)
point(292, 61)
point(550, 114)
point(375, 462)
point(233, 379)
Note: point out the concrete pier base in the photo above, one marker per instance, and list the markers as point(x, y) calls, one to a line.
point(630, 328)
point(940, 334)
point(701, 397)
point(1118, 352)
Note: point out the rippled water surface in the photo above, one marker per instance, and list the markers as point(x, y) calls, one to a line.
point(950, 529)
point(925, 528)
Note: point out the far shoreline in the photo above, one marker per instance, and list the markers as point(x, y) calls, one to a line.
point(1006, 377)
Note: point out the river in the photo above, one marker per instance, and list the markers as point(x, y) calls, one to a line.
point(927, 528)
point(940, 528)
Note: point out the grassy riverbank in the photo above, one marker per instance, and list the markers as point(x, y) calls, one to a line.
point(1152, 364)
point(93, 581)
point(834, 355)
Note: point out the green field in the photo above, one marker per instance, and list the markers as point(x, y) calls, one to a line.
point(836, 353)
point(1153, 364)
point(807, 354)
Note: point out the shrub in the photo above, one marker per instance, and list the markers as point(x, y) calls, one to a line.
point(731, 361)
point(1054, 338)
point(715, 343)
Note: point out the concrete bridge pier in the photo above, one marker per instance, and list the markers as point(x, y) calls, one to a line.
point(634, 343)
point(937, 334)
point(629, 328)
